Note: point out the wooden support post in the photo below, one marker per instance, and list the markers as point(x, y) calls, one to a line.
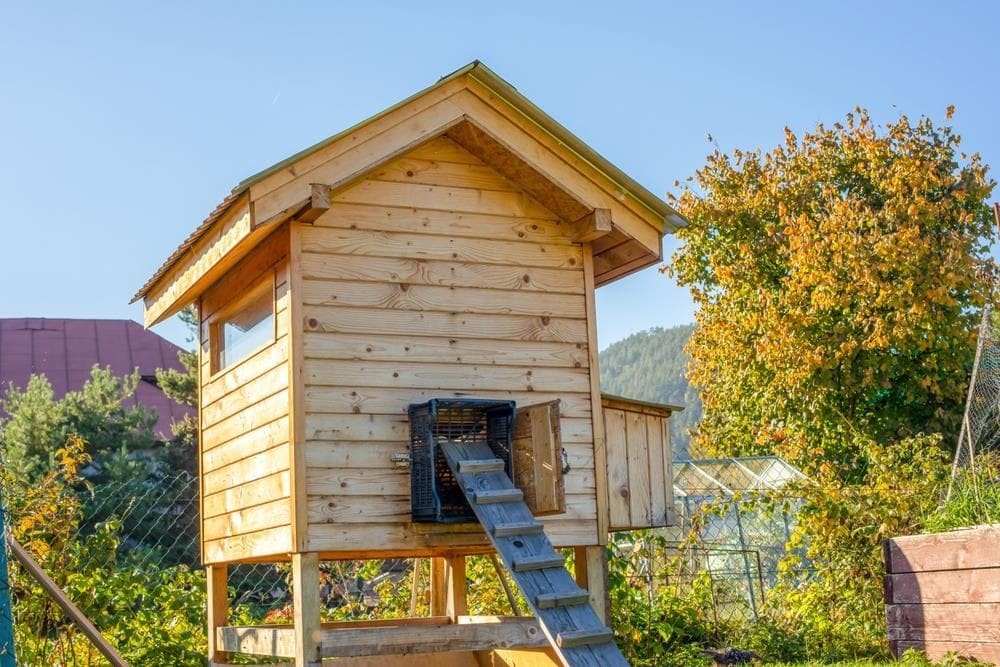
point(597, 412)
point(217, 582)
point(305, 601)
point(457, 605)
point(416, 586)
point(439, 587)
point(591, 571)
point(580, 566)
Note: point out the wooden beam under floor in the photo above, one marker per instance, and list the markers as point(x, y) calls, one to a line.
point(407, 636)
point(455, 659)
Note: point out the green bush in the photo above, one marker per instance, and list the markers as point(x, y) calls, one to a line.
point(827, 603)
point(154, 615)
point(656, 622)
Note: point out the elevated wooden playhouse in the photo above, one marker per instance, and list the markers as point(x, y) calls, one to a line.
point(447, 248)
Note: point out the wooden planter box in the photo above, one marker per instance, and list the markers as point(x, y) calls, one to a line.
point(942, 593)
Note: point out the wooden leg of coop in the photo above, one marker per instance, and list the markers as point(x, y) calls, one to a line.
point(306, 608)
point(416, 586)
point(439, 587)
point(216, 580)
point(592, 573)
point(457, 605)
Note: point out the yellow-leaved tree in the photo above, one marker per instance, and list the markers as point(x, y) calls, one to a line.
point(838, 279)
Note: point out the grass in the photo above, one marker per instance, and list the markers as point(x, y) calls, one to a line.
point(974, 499)
point(909, 659)
point(850, 663)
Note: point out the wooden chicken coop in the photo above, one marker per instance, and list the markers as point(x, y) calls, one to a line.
point(399, 359)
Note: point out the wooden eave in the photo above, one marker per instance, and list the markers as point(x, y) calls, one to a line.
point(601, 205)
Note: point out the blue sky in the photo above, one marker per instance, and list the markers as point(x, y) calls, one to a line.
point(123, 125)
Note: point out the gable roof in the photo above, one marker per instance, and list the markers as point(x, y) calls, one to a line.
point(65, 351)
point(624, 189)
point(484, 75)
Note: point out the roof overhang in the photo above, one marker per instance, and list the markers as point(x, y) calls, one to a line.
point(623, 221)
point(621, 402)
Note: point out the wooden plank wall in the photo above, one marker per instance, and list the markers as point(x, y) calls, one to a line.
point(245, 446)
point(942, 593)
point(434, 277)
point(640, 474)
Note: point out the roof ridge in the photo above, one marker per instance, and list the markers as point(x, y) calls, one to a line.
point(496, 85)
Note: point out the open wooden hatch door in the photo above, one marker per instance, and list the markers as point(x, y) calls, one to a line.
point(640, 471)
point(539, 458)
point(639, 461)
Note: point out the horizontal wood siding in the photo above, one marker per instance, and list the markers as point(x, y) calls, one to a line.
point(434, 277)
point(245, 429)
point(942, 593)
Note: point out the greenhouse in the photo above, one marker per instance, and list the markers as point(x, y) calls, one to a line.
point(736, 544)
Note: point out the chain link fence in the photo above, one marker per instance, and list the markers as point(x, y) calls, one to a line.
point(122, 540)
point(125, 549)
point(730, 548)
point(977, 456)
point(694, 585)
point(7, 654)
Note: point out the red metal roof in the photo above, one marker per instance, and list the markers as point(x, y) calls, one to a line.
point(66, 350)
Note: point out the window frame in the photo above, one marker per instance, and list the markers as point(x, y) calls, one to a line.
point(219, 318)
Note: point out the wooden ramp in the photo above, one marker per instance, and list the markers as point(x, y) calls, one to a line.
point(577, 634)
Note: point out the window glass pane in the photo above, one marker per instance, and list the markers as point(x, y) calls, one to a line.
point(247, 329)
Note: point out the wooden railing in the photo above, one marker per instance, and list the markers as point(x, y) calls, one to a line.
point(59, 597)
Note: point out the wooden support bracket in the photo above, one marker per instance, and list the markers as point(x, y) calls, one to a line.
point(592, 226)
point(319, 203)
point(305, 211)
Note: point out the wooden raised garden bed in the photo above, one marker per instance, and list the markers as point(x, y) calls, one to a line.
point(942, 593)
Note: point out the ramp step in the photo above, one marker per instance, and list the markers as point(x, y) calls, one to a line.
point(527, 563)
point(518, 528)
point(578, 637)
point(481, 465)
point(491, 496)
point(584, 637)
point(561, 599)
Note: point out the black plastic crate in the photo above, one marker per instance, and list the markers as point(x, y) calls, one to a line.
point(435, 494)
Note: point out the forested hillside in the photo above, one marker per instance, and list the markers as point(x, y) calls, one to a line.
point(649, 366)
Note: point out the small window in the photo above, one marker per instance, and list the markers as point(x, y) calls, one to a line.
point(245, 327)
